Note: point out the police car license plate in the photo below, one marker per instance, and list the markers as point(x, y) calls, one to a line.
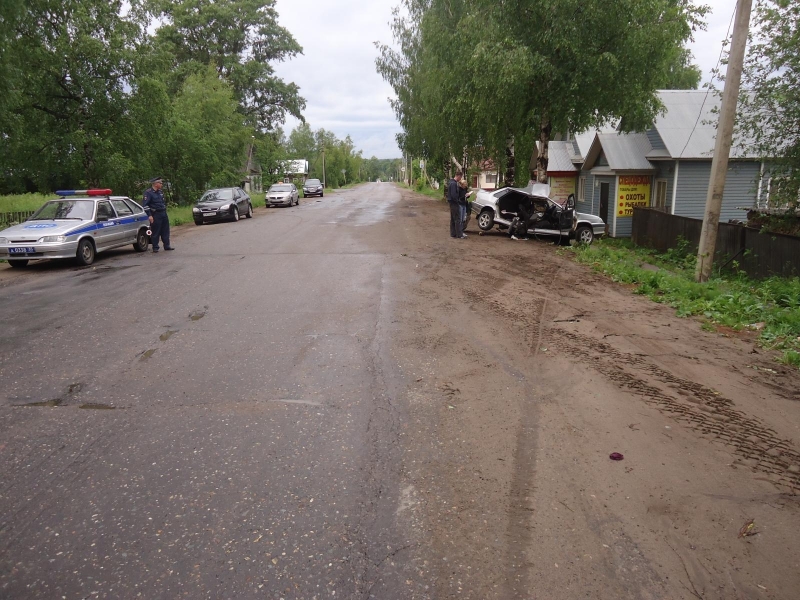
point(23, 250)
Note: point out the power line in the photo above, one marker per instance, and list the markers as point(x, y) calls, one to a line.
point(708, 88)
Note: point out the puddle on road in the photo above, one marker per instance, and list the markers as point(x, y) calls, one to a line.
point(147, 354)
point(296, 401)
point(53, 402)
point(167, 334)
point(196, 315)
point(93, 406)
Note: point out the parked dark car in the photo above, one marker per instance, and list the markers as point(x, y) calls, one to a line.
point(312, 187)
point(222, 204)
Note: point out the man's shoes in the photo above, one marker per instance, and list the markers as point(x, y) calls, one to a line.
point(513, 237)
point(463, 236)
point(155, 250)
point(170, 248)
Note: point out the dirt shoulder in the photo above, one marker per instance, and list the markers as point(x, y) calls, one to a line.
point(524, 371)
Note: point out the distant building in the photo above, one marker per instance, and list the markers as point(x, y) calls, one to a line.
point(295, 171)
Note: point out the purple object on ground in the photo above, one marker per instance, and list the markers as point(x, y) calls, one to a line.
point(615, 456)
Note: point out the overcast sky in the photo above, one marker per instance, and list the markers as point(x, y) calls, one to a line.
point(337, 76)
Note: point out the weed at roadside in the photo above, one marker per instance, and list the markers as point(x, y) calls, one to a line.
point(771, 306)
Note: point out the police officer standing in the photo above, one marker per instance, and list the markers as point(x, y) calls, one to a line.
point(156, 208)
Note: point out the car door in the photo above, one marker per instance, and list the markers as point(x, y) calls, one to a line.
point(108, 229)
point(295, 194)
point(128, 225)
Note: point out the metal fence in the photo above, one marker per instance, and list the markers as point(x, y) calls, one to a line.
point(757, 254)
point(7, 219)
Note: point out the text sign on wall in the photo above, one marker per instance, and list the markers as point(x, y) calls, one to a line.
point(561, 188)
point(634, 190)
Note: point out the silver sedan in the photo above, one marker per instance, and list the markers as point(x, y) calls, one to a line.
point(283, 194)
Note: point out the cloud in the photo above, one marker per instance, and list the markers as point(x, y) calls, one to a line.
point(336, 73)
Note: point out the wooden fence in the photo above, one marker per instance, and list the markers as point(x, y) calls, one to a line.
point(7, 219)
point(757, 254)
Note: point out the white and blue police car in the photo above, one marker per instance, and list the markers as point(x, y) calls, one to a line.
point(79, 224)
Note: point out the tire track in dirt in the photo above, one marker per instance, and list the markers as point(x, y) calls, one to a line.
point(701, 408)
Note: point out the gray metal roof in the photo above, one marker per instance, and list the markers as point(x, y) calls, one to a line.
point(584, 140)
point(624, 151)
point(559, 157)
point(689, 125)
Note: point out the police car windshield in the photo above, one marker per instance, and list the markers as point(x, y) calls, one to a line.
point(82, 210)
point(280, 188)
point(212, 195)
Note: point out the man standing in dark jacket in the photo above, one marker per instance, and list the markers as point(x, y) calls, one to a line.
point(156, 208)
point(456, 222)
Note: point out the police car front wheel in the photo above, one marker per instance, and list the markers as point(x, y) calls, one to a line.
point(85, 254)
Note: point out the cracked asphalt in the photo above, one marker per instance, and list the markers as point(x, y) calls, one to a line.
point(337, 400)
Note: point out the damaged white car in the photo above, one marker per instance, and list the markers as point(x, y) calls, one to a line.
point(548, 218)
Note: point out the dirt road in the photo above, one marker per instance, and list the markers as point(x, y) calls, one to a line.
point(525, 372)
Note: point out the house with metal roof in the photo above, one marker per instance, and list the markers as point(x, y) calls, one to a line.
point(668, 166)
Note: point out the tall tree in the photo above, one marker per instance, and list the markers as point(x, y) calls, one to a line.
point(770, 102)
point(240, 38)
point(496, 70)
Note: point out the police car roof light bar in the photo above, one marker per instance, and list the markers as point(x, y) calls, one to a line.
point(98, 192)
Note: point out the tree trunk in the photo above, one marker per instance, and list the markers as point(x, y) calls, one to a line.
point(532, 163)
point(544, 153)
point(510, 164)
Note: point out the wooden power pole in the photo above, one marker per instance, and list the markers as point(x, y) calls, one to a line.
point(722, 146)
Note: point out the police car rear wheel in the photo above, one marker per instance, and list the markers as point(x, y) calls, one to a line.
point(141, 241)
point(85, 254)
point(17, 264)
point(235, 214)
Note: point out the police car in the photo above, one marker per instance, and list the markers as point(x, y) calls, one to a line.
point(78, 225)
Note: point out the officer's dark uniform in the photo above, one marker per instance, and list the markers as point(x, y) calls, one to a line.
point(155, 206)
point(453, 199)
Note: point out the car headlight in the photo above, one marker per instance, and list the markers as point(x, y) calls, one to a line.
point(226, 207)
point(3, 240)
point(52, 239)
point(196, 210)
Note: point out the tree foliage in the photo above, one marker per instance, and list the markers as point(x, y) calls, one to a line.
point(480, 73)
point(770, 101)
point(111, 93)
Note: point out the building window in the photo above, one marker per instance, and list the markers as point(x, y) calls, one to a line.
point(582, 189)
point(491, 177)
point(660, 199)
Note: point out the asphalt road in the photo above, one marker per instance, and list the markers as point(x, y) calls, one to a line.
point(211, 422)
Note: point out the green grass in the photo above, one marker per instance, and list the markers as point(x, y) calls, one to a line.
point(23, 202)
point(771, 306)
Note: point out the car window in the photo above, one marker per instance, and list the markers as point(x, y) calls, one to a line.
point(280, 188)
point(123, 210)
point(212, 195)
point(104, 210)
point(133, 206)
point(65, 209)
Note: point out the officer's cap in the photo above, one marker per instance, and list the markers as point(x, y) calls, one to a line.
point(155, 180)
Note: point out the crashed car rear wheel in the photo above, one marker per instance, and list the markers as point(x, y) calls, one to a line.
point(486, 220)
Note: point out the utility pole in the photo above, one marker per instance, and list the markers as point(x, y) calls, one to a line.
point(722, 146)
point(323, 166)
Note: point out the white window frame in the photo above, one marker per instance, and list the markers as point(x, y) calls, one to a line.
point(582, 189)
point(654, 202)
